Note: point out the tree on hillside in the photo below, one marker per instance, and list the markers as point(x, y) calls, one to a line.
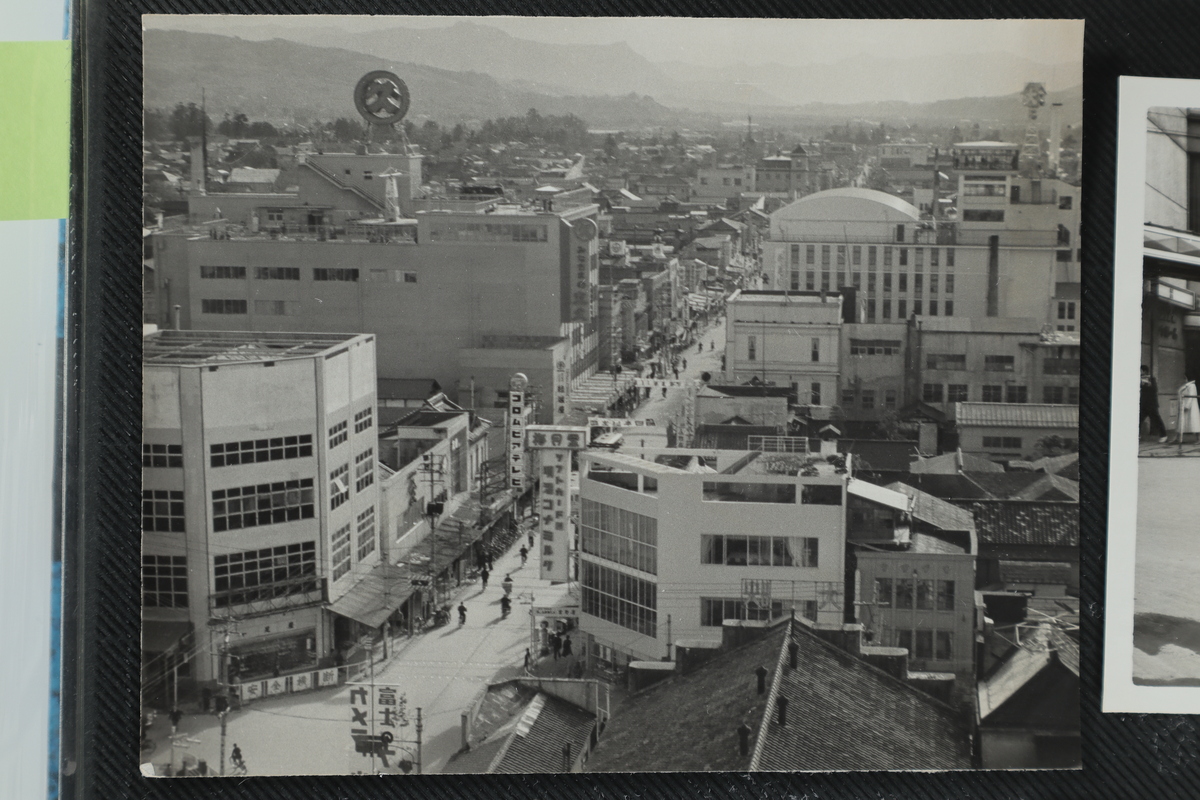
point(234, 127)
point(188, 120)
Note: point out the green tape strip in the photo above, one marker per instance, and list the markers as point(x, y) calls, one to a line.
point(35, 130)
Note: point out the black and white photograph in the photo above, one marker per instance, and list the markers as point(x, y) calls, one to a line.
point(1152, 659)
point(618, 395)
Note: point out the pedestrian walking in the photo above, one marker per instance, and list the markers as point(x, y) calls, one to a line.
point(531, 540)
point(685, 363)
point(1149, 405)
point(489, 560)
point(555, 644)
point(483, 576)
point(676, 371)
point(175, 716)
point(235, 756)
point(566, 646)
point(712, 345)
point(462, 614)
point(524, 555)
point(507, 584)
point(527, 657)
point(699, 348)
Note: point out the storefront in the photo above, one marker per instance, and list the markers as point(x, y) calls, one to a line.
point(1170, 312)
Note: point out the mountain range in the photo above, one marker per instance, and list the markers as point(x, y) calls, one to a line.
point(470, 71)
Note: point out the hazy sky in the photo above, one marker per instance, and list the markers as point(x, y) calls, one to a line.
point(717, 41)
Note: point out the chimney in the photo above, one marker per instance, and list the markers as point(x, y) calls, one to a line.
point(761, 672)
point(743, 732)
point(782, 705)
point(793, 652)
point(175, 310)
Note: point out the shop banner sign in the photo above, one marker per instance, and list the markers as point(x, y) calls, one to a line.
point(555, 511)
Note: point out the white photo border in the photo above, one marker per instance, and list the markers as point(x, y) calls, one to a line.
point(1136, 96)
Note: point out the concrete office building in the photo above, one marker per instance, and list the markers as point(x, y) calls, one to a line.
point(465, 294)
point(259, 497)
point(669, 539)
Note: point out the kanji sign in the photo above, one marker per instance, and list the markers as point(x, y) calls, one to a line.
point(569, 437)
point(378, 712)
point(554, 508)
point(516, 431)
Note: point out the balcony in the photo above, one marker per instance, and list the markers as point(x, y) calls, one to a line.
point(252, 601)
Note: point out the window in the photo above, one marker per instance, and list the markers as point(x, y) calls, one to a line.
point(889, 398)
point(874, 347)
point(950, 361)
point(267, 574)
point(903, 279)
point(363, 420)
point(816, 494)
point(619, 598)
point(924, 595)
point(276, 273)
point(918, 286)
point(841, 255)
point(900, 233)
point(868, 399)
point(919, 257)
point(957, 393)
point(365, 525)
point(945, 646)
point(1063, 256)
point(339, 486)
point(162, 455)
point(615, 534)
point(949, 308)
point(883, 592)
point(795, 280)
point(222, 306)
point(729, 492)
point(856, 255)
point(341, 551)
point(1016, 394)
point(933, 307)
point(810, 281)
point(337, 434)
point(858, 281)
point(824, 255)
point(758, 551)
point(364, 469)
point(871, 256)
point(715, 610)
point(902, 309)
point(263, 504)
point(945, 595)
point(816, 349)
point(815, 393)
point(998, 363)
point(164, 582)
point(367, 175)
point(1054, 395)
point(916, 307)
point(932, 393)
point(904, 593)
point(993, 394)
point(871, 283)
point(887, 256)
point(887, 282)
point(904, 256)
point(751, 348)
point(871, 310)
point(982, 215)
point(1064, 202)
point(924, 641)
point(252, 451)
point(933, 284)
point(1066, 309)
point(949, 258)
point(824, 281)
point(335, 274)
point(1073, 395)
point(887, 309)
point(277, 308)
point(1002, 442)
point(847, 397)
point(810, 254)
point(949, 287)
point(162, 511)
point(904, 639)
point(933, 256)
point(222, 273)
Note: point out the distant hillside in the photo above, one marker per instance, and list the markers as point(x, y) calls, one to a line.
point(278, 80)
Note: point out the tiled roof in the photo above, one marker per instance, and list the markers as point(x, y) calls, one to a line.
point(530, 740)
point(1007, 522)
point(1016, 415)
point(944, 486)
point(934, 511)
point(1005, 485)
point(1056, 464)
point(688, 723)
point(1044, 572)
point(1043, 648)
point(1050, 487)
point(952, 463)
point(844, 714)
point(924, 543)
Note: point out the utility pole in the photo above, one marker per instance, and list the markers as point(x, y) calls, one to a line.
point(224, 713)
point(419, 728)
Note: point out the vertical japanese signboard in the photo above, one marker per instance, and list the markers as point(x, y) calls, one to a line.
point(517, 387)
point(555, 443)
point(581, 275)
point(378, 717)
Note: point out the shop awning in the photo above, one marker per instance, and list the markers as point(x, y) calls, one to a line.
point(376, 595)
point(158, 636)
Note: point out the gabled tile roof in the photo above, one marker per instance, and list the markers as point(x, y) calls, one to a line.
point(1004, 485)
point(1009, 522)
point(530, 740)
point(1056, 464)
point(952, 464)
point(1043, 572)
point(935, 511)
point(1045, 648)
point(1016, 415)
point(844, 714)
point(1050, 487)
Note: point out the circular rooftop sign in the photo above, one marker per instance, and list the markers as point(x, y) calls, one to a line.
point(381, 97)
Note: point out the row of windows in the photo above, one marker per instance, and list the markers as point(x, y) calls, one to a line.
point(810, 494)
point(284, 274)
point(715, 610)
point(222, 306)
point(338, 434)
point(867, 398)
point(619, 598)
point(339, 486)
point(263, 504)
point(363, 420)
point(391, 276)
point(615, 534)
point(955, 393)
point(265, 574)
point(335, 274)
point(487, 232)
point(918, 594)
point(856, 254)
point(162, 511)
point(1002, 442)
point(365, 523)
point(759, 551)
point(902, 308)
point(164, 582)
point(364, 469)
point(162, 455)
point(874, 347)
point(254, 451)
point(341, 551)
point(927, 644)
point(992, 393)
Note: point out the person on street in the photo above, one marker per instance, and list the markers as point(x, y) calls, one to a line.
point(531, 540)
point(483, 576)
point(712, 345)
point(462, 614)
point(507, 584)
point(685, 363)
point(527, 657)
point(555, 644)
point(1149, 405)
point(235, 757)
point(175, 716)
point(505, 606)
point(566, 646)
point(524, 554)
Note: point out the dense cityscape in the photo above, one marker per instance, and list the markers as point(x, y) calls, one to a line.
point(529, 444)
